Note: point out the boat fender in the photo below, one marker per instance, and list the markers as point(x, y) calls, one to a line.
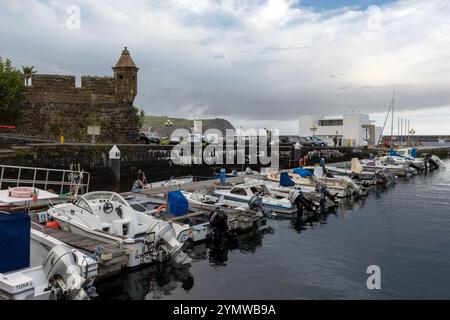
point(52, 224)
point(161, 209)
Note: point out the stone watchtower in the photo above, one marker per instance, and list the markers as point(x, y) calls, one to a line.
point(125, 78)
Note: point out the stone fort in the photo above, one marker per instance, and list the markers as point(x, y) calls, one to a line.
point(53, 105)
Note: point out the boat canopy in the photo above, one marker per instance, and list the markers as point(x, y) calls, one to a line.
point(285, 180)
point(302, 172)
point(14, 241)
point(178, 204)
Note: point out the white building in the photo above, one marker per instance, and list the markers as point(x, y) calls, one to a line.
point(350, 129)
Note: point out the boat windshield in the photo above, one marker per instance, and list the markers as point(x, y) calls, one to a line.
point(260, 189)
point(98, 196)
point(84, 205)
point(105, 195)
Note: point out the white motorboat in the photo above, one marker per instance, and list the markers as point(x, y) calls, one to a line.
point(345, 184)
point(276, 188)
point(197, 227)
point(109, 217)
point(401, 170)
point(244, 192)
point(26, 197)
point(171, 182)
point(198, 198)
point(55, 271)
point(357, 172)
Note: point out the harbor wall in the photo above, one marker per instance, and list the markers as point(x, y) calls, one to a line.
point(152, 159)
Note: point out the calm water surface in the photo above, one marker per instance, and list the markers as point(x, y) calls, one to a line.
point(405, 230)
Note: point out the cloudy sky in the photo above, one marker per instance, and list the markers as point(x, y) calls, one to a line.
point(259, 63)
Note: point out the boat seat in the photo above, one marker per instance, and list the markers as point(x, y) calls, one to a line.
point(121, 221)
point(120, 227)
point(105, 225)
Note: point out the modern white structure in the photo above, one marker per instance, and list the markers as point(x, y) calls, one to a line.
point(352, 129)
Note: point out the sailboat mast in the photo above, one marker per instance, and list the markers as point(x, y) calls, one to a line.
point(392, 121)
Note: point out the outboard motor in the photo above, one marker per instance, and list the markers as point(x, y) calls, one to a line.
point(64, 274)
point(255, 203)
point(163, 241)
point(219, 223)
point(297, 197)
point(432, 161)
point(325, 193)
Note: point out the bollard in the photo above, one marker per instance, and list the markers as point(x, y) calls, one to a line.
point(223, 177)
point(114, 164)
point(297, 152)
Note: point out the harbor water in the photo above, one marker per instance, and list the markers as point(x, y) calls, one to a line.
point(405, 230)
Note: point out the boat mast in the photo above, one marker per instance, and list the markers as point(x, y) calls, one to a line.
point(392, 121)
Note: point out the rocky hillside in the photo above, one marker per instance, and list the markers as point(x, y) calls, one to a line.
point(157, 124)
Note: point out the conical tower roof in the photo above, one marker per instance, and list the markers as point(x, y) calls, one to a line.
point(125, 60)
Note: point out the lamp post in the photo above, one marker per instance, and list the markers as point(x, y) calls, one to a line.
point(411, 133)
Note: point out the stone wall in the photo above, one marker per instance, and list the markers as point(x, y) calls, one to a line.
point(51, 119)
point(53, 105)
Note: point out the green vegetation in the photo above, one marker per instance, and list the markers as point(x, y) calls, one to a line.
point(140, 116)
point(28, 73)
point(11, 88)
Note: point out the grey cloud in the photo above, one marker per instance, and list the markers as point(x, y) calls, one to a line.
point(183, 69)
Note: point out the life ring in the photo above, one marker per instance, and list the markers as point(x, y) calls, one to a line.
point(21, 192)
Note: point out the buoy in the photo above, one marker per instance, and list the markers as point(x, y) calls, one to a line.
point(52, 225)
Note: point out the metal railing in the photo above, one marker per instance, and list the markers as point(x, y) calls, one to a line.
point(76, 181)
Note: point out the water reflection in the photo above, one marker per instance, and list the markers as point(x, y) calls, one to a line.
point(160, 280)
point(152, 282)
point(216, 252)
point(311, 220)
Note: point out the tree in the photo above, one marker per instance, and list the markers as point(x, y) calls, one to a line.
point(28, 73)
point(140, 116)
point(11, 87)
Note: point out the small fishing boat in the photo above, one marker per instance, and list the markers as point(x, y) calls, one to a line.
point(244, 192)
point(40, 267)
point(346, 184)
point(174, 181)
point(195, 222)
point(364, 177)
point(400, 170)
point(239, 217)
point(107, 216)
point(312, 192)
point(25, 198)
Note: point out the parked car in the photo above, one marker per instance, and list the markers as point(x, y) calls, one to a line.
point(290, 140)
point(149, 137)
point(175, 139)
point(314, 142)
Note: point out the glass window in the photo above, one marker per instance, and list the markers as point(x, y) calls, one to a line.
point(84, 205)
point(116, 198)
point(239, 191)
point(331, 122)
